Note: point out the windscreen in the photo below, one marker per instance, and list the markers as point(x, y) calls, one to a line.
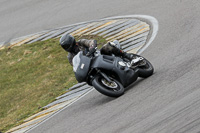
point(76, 62)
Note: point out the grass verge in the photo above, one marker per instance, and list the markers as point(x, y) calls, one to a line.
point(31, 76)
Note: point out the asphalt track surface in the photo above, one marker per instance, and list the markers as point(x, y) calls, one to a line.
point(167, 102)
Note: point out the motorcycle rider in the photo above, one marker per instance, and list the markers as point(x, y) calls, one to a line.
point(69, 44)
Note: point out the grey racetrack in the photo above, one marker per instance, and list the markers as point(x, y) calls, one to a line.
point(167, 102)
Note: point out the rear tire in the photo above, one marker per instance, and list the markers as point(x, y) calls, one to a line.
point(145, 70)
point(101, 87)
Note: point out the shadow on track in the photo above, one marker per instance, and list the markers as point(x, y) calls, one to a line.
point(133, 84)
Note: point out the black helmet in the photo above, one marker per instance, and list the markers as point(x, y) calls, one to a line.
point(67, 42)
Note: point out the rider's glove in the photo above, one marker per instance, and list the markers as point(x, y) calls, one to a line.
point(91, 51)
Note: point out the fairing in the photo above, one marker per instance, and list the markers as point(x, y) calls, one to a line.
point(111, 65)
point(81, 66)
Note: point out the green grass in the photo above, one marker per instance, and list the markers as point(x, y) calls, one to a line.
point(31, 76)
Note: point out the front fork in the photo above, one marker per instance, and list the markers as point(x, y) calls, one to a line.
point(101, 73)
point(104, 75)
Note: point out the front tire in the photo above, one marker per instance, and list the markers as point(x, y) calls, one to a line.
point(113, 91)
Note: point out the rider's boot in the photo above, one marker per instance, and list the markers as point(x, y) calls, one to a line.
point(127, 56)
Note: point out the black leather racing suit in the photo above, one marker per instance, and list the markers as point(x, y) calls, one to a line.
point(82, 45)
point(87, 45)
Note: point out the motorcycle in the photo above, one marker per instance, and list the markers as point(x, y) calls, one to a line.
point(110, 74)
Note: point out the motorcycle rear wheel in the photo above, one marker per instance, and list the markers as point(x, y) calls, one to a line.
point(101, 86)
point(146, 69)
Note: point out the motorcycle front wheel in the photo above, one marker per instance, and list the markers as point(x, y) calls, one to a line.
point(114, 89)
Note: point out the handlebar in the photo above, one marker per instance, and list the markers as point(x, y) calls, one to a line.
point(90, 53)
